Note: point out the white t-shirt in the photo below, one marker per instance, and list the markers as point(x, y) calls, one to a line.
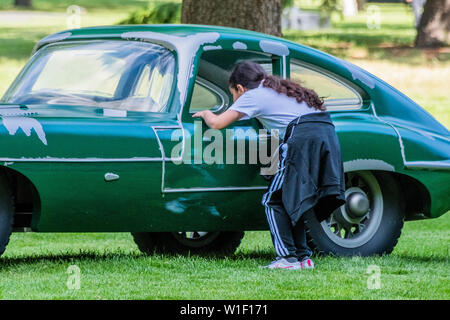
point(274, 110)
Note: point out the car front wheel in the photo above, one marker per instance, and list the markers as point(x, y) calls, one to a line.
point(197, 242)
point(6, 213)
point(370, 223)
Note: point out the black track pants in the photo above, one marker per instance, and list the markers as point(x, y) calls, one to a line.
point(288, 240)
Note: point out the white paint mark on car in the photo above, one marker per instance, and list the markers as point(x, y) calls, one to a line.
point(209, 48)
point(239, 45)
point(367, 164)
point(277, 48)
point(274, 47)
point(176, 206)
point(114, 113)
point(13, 124)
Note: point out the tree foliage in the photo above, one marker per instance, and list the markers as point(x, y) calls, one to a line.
point(327, 7)
point(156, 12)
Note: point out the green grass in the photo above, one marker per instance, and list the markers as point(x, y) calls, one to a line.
point(35, 266)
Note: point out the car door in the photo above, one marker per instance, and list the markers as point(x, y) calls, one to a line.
point(211, 179)
point(213, 160)
point(219, 160)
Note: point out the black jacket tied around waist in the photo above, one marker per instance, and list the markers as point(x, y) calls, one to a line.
point(314, 176)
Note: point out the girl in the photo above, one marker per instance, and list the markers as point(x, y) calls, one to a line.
point(310, 176)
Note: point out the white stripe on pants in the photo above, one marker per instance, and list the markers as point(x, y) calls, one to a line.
point(275, 185)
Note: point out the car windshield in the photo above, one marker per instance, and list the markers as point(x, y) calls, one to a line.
point(125, 75)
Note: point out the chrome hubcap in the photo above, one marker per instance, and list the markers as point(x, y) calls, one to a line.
point(355, 223)
point(355, 209)
point(195, 239)
point(357, 204)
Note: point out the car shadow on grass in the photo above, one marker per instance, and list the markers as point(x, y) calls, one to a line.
point(259, 256)
point(92, 256)
point(71, 257)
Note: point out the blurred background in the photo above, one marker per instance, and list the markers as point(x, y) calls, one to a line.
point(404, 42)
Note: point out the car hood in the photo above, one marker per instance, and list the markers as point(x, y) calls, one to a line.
point(75, 132)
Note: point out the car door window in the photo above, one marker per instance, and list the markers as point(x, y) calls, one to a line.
point(336, 94)
point(207, 96)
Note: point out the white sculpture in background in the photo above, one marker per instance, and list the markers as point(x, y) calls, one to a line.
point(349, 8)
point(294, 18)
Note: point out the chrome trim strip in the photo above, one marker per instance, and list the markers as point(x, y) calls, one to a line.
point(200, 189)
point(400, 140)
point(163, 163)
point(161, 147)
point(165, 127)
point(83, 160)
point(432, 165)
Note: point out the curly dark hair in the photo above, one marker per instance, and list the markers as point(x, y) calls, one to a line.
point(249, 74)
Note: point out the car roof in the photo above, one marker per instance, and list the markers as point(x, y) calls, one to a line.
point(173, 29)
point(180, 30)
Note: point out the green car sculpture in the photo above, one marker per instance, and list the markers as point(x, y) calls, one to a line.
point(97, 135)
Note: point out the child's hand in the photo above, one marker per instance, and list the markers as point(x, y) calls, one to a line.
point(203, 114)
point(198, 114)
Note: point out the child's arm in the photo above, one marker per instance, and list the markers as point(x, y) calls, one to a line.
point(219, 121)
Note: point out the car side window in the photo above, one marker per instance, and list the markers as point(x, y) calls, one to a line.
point(207, 96)
point(153, 87)
point(336, 94)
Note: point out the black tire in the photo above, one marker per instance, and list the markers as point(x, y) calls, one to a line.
point(384, 234)
point(6, 213)
point(210, 243)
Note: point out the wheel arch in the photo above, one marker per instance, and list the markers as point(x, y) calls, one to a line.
point(26, 198)
point(416, 197)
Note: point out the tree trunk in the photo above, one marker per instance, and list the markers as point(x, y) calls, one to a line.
point(434, 26)
point(257, 15)
point(22, 3)
point(361, 4)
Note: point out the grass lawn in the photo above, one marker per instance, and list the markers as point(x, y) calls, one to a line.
point(35, 266)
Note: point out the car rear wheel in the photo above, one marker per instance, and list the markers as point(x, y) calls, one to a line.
point(6, 213)
point(197, 242)
point(370, 223)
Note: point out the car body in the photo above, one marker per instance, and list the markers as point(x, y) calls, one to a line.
point(79, 164)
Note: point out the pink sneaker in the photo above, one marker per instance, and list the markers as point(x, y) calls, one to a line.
point(282, 263)
point(307, 264)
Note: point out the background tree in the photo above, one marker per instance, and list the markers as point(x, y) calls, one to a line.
point(434, 26)
point(361, 4)
point(257, 15)
point(22, 3)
